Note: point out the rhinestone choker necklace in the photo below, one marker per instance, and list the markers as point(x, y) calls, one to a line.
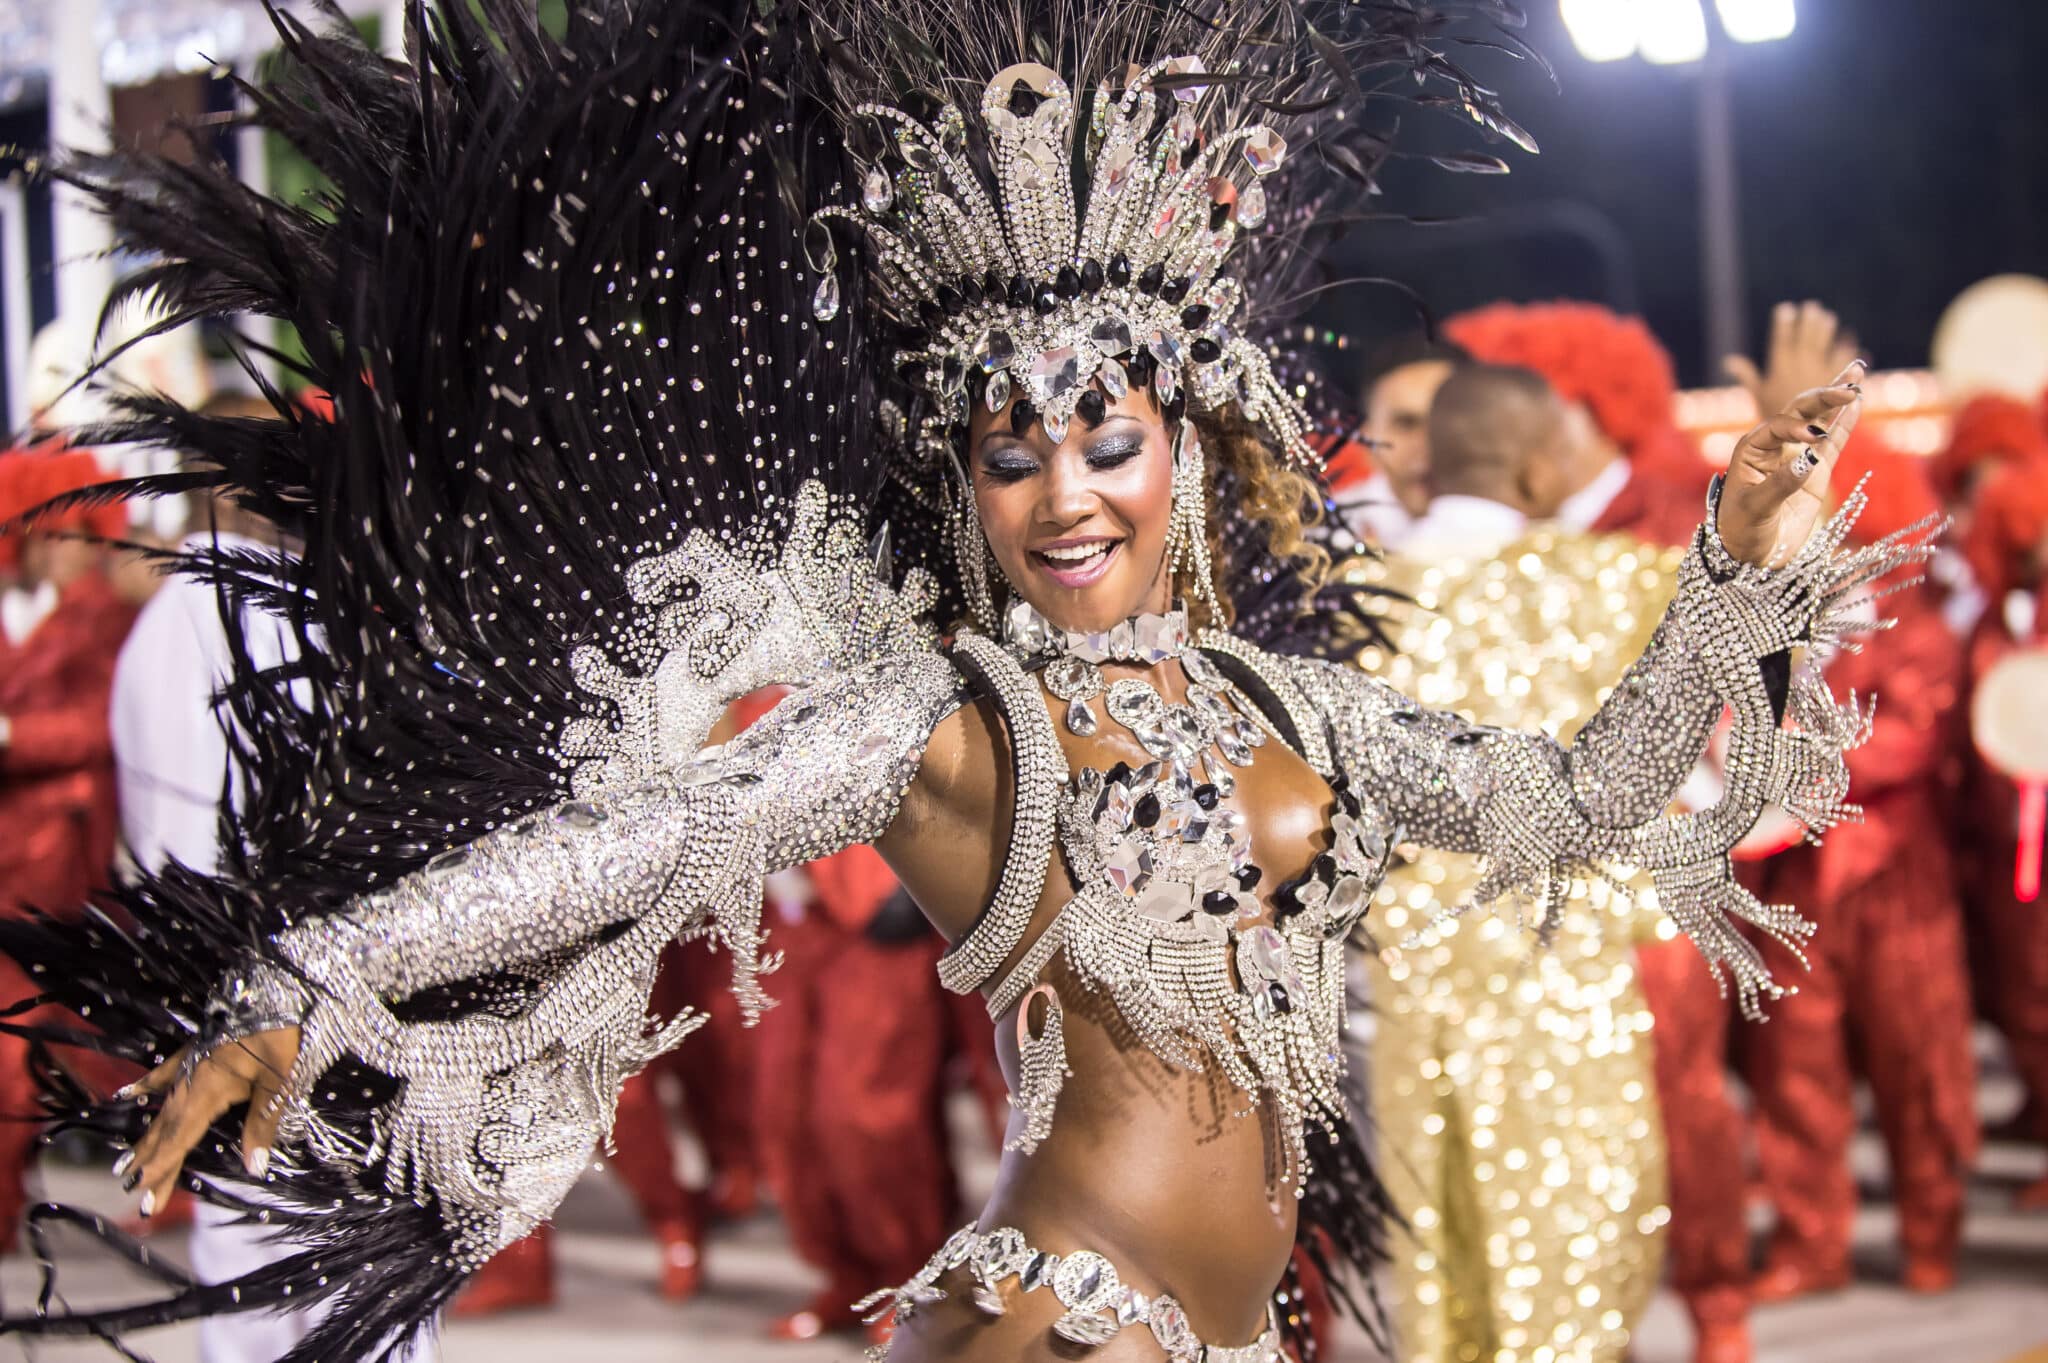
point(1141, 639)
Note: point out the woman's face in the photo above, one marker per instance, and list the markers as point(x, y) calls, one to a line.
point(1079, 528)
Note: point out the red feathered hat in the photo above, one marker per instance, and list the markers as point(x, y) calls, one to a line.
point(29, 478)
point(2011, 519)
point(1992, 428)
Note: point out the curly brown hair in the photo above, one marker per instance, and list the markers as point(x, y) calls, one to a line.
point(1280, 502)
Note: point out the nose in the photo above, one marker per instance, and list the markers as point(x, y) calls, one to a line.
point(1069, 499)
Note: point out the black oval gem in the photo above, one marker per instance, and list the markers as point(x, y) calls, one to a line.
point(1219, 902)
point(1153, 279)
point(1324, 867)
point(1019, 294)
point(930, 313)
point(1406, 717)
point(1046, 301)
point(1466, 739)
point(1248, 877)
point(1091, 275)
point(1218, 215)
point(1340, 782)
point(1022, 414)
point(1091, 408)
point(1278, 997)
point(1176, 289)
point(1205, 350)
point(1195, 316)
point(1146, 811)
point(1068, 282)
point(1118, 775)
point(992, 284)
point(949, 298)
point(1119, 269)
point(971, 290)
point(1206, 795)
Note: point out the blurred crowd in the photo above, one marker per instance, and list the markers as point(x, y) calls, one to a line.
point(1559, 1129)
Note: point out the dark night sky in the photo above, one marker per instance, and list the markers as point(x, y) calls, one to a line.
point(1890, 152)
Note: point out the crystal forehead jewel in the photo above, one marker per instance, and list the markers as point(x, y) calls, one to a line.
point(1092, 251)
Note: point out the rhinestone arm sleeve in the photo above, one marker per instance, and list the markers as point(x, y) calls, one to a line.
point(823, 770)
point(1538, 810)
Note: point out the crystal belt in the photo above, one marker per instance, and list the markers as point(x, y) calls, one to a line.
point(1098, 1303)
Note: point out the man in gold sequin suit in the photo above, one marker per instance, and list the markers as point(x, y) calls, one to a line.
point(1513, 1086)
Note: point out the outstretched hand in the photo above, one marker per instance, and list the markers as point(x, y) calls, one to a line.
point(1777, 484)
point(252, 1070)
point(1808, 347)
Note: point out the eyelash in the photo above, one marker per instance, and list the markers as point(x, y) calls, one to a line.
point(1110, 455)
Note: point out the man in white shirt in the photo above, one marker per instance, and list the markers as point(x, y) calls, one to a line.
point(1496, 444)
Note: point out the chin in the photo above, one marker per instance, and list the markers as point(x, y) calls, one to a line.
point(1087, 596)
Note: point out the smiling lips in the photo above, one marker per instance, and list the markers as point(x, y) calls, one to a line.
point(1076, 562)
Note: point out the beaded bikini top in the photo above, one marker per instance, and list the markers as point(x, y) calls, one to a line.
point(1164, 921)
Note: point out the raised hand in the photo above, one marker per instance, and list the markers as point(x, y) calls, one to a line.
point(1808, 346)
point(1777, 483)
point(252, 1070)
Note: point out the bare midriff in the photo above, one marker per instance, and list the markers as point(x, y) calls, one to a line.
point(1166, 1172)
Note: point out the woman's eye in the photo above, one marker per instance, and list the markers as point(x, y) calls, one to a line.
point(1113, 454)
point(1009, 470)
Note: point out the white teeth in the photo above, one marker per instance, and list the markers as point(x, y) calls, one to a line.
point(1078, 553)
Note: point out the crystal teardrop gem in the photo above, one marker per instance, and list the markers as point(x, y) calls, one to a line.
point(1055, 423)
point(998, 395)
point(1115, 381)
point(1251, 206)
point(825, 302)
point(876, 193)
point(1081, 721)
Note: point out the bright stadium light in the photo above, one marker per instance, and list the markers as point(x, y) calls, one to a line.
point(1757, 21)
point(1671, 31)
point(1602, 30)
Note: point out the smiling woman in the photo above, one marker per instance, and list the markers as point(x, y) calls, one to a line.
point(481, 808)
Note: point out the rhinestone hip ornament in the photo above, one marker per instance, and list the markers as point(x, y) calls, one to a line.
point(1042, 1060)
point(1187, 534)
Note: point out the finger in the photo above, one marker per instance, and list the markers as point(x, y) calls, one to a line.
point(1816, 328)
point(259, 1128)
point(1820, 404)
point(183, 1124)
point(158, 1080)
point(1784, 322)
point(1852, 374)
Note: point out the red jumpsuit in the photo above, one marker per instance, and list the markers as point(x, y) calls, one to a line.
point(58, 815)
point(1886, 984)
point(2014, 935)
point(850, 1104)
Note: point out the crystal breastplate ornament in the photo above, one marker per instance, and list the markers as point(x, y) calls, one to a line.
point(1165, 922)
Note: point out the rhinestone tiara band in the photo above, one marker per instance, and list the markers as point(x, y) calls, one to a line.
point(1020, 288)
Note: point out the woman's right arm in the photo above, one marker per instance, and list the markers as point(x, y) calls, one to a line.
point(602, 884)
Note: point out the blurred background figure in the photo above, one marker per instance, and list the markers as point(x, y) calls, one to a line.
point(61, 627)
point(1884, 987)
point(1379, 483)
point(1616, 382)
point(850, 1104)
point(2008, 552)
point(1513, 1088)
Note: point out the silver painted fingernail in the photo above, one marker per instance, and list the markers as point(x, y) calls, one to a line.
point(122, 1161)
point(148, 1208)
point(257, 1161)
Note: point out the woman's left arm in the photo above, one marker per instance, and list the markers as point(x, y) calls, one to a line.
point(1539, 810)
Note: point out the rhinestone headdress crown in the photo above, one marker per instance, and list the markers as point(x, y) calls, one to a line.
point(1037, 291)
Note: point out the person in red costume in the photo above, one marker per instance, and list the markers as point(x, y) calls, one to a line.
point(1629, 473)
point(1632, 470)
point(1886, 977)
point(2008, 550)
point(1989, 432)
point(61, 627)
point(850, 1102)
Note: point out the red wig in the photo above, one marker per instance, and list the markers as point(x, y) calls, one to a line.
point(2010, 522)
point(29, 478)
point(1993, 429)
point(1899, 489)
point(1587, 353)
